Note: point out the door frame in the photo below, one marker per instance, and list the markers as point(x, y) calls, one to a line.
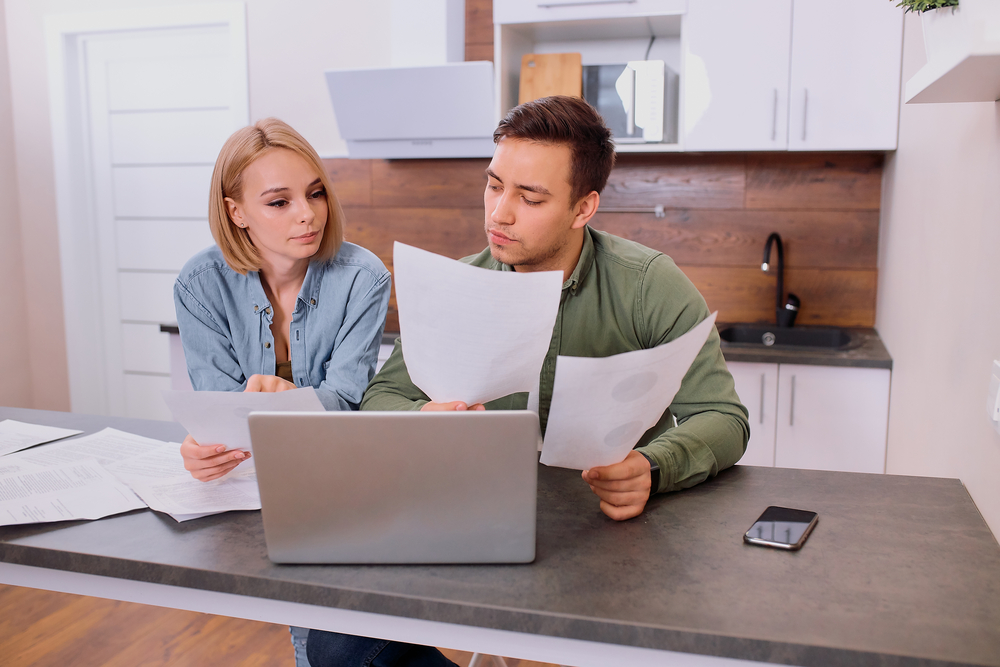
point(83, 310)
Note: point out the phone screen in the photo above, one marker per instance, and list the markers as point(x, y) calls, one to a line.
point(781, 527)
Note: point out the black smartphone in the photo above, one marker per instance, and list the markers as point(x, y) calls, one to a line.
point(782, 528)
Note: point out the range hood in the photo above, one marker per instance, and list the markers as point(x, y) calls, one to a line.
point(444, 111)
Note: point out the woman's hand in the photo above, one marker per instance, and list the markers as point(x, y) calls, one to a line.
point(208, 462)
point(268, 383)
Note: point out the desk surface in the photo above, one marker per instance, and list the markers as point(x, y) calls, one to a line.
point(899, 571)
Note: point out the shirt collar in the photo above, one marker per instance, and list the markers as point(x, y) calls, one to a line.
point(308, 293)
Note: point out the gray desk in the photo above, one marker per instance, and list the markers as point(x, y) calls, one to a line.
point(900, 571)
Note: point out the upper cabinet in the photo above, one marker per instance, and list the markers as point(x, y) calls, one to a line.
point(755, 75)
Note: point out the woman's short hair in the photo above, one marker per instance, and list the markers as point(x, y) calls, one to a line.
point(571, 121)
point(239, 151)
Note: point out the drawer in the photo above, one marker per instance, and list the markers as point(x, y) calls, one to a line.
point(542, 11)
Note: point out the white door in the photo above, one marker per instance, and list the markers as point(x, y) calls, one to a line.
point(832, 418)
point(736, 75)
point(757, 387)
point(160, 104)
point(845, 75)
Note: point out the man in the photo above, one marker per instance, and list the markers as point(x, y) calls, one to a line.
point(552, 160)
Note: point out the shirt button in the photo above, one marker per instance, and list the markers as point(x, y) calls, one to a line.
point(255, 309)
point(267, 310)
point(312, 302)
point(267, 345)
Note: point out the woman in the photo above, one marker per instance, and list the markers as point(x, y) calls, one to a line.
point(281, 301)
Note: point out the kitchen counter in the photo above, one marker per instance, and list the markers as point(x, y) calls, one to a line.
point(899, 571)
point(866, 350)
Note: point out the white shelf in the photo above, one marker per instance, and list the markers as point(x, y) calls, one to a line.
point(973, 77)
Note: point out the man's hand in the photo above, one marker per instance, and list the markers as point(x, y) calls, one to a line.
point(453, 406)
point(623, 487)
point(208, 462)
point(268, 383)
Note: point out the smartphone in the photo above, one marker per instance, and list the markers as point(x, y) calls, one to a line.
point(782, 528)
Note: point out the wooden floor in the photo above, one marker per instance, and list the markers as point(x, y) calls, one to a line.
point(39, 628)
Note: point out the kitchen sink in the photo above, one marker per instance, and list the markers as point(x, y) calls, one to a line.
point(773, 336)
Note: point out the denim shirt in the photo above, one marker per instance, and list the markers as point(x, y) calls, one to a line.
point(225, 323)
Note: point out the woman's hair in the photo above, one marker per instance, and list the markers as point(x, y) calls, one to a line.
point(239, 151)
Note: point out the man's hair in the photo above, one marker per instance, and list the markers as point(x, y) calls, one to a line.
point(571, 121)
point(238, 153)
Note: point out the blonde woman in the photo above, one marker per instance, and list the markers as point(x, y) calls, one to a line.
point(281, 301)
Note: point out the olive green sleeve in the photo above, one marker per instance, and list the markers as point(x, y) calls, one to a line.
point(391, 388)
point(712, 428)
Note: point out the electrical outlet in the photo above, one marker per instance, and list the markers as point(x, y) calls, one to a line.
point(993, 397)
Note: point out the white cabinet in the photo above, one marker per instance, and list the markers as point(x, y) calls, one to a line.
point(538, 11)
point(817, 417)
point(846, 75)
point(735, 81)
point(791, 74)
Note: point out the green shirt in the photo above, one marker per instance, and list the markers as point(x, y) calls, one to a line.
point(622, 297)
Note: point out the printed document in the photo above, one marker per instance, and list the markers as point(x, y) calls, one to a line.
point(220, 417)
point(106, 447)
point(78, 490)
point(602, 406)
point(472, 334)
point(15, 435)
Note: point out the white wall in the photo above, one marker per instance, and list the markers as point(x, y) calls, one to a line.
point(15, 389)
point(290, 43)
point(939, 289)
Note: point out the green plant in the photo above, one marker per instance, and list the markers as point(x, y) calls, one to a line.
point(925, 5)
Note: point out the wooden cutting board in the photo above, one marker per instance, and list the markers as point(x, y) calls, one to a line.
point(544, 74)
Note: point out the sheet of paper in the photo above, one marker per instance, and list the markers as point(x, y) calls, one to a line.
point(602, 406)
point(159, 478)
point(79, 490)
point(15, 435)
point(107, 447)
point(220, 417)
point(472, 334)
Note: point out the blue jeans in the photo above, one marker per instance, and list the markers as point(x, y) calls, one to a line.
point(299, 636)
point(330, 649)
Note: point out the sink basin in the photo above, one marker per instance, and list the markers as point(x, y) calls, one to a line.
point(772, 336)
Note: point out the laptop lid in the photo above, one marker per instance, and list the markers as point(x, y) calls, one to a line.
point(397, 487)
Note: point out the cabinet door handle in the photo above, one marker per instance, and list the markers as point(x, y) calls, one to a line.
point(761, 398)
point(791, 412)
point(774, 123)
point(580, 3)
point(805, 113)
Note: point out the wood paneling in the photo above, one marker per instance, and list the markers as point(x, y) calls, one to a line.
point(719, 210)
point(829, 296)
point(479, 29)
point(713, 237)
point(352, 181)
point(676, 181)
point(429, 183)
point(833, 181)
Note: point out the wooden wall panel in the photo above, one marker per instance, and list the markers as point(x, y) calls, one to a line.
point(676, 181)
point(719, 211)
point(712, 237)
point(429, 183)
point(834, 181)
point(479, 29)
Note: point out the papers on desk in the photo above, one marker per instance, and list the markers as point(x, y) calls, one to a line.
point(471, 334)
point(602, 406)
point(15, 435)
point(220, 417)
point(110, 472)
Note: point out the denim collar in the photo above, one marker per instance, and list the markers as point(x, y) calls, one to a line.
point(308, 293)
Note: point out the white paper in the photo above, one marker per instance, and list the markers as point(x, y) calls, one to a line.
point(602, 406)
point(472, 334)
point(159, 478)
point(15, 435)
point(220, 417)
point(107, 447)
point(79, 490)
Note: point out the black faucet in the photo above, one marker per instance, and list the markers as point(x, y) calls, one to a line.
point(784, 313)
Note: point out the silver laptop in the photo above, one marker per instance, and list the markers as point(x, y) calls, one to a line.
point(397, 487)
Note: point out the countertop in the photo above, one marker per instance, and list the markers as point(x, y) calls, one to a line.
point(866, 350)
point(899, 571)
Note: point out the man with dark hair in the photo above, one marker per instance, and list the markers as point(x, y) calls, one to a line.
point(552, 160)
